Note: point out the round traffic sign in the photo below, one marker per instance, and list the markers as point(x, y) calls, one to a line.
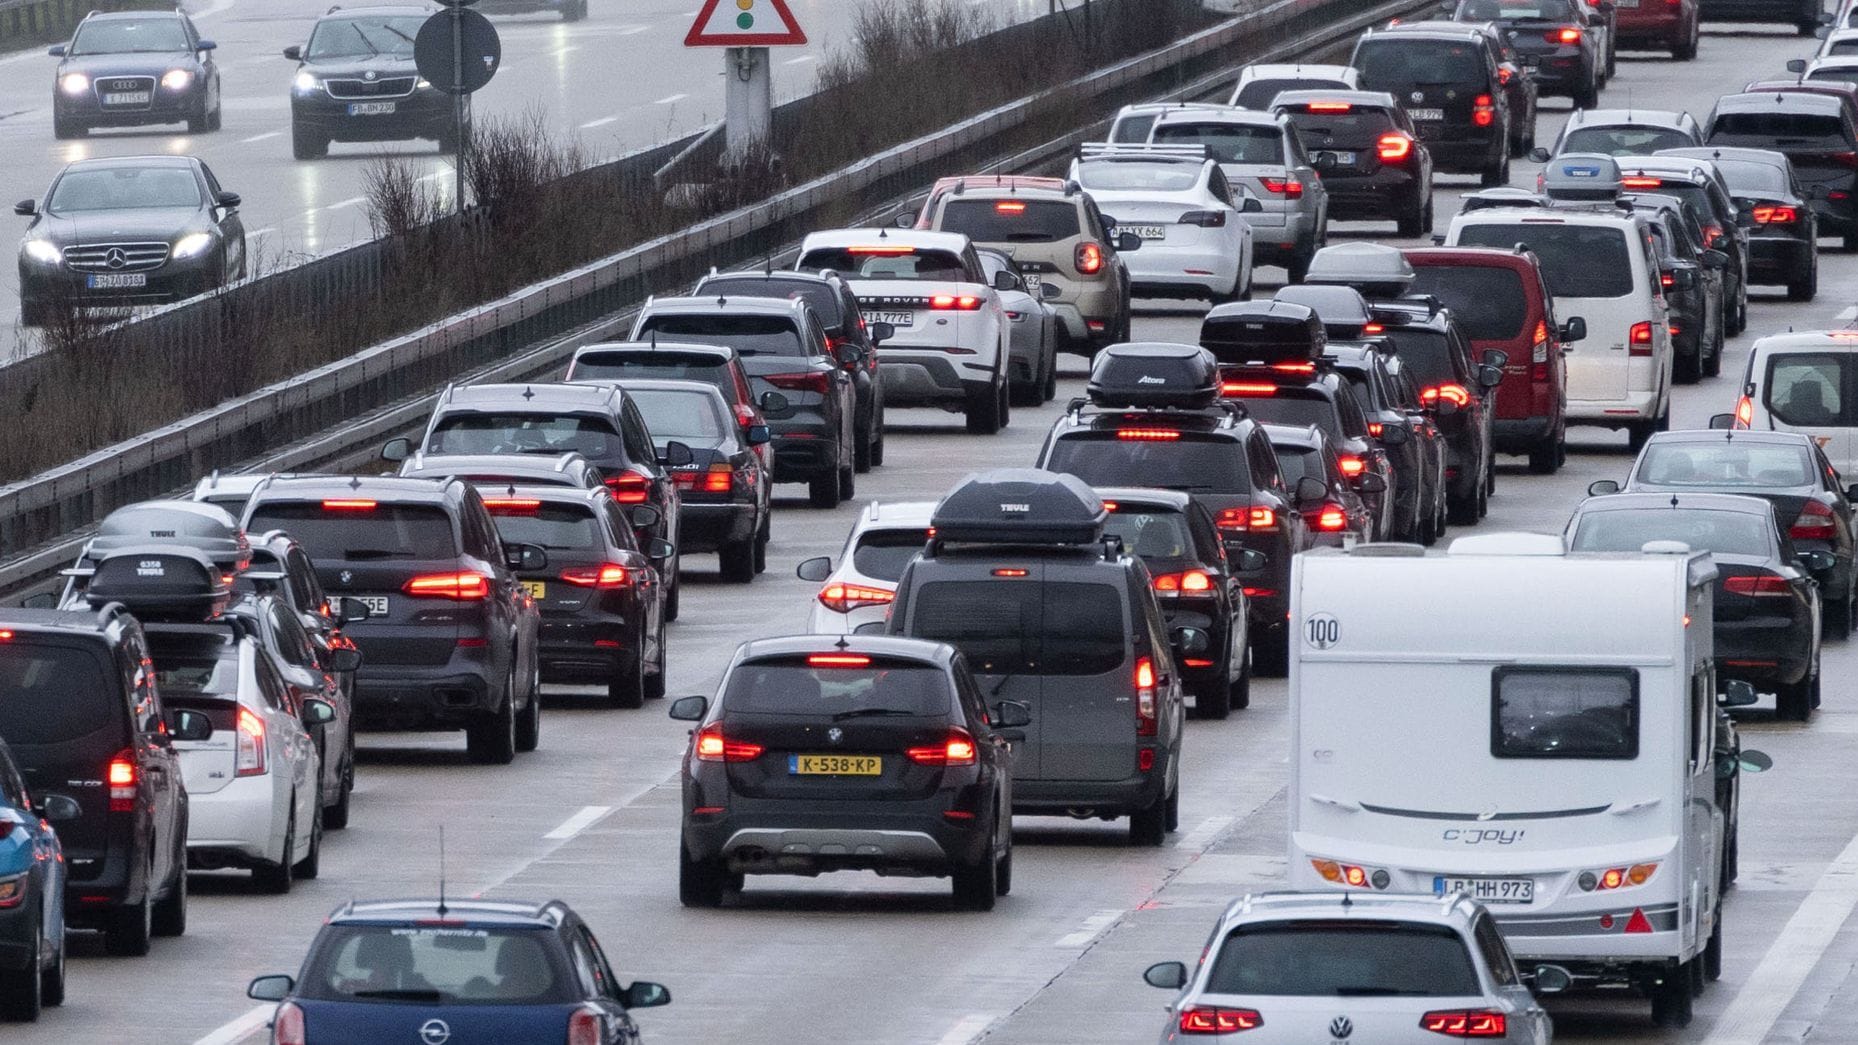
point(434, 50)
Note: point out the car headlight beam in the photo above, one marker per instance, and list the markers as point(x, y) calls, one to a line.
point(44, 252)
point(306, 82)
point(191, 244)
point(176, 79)
point(74, 83)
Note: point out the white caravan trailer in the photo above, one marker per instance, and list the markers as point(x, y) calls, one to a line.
point(1540, 738)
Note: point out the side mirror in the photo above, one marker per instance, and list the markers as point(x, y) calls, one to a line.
point(271, 988)
point(207, 45)
point(1251, 206)
point(1713, 258)
point(1550, 979)
point(1050, 291)
point(397, 449)
point(675, 455)
point(56, 50)
point(317, 711)
point(905, 220)
point(643, 516)
point(1736, 694)
point(1722, 420)
point(1003, 280)
point(689, 709)
point(645, 995)
point(189, 725)
point(26, 208)
point(774, 403)
point(1126, 241)
point(342, 659)
point(1816, 192)
point(1851, 492)
point(1189, 641)
point(1371, 482)
point(1010, 714)
point(1394, 433)
point(1539, 154)
point(526, 558)
point(228, 200)
point(1489, 376)
point(815, 569)
point(294, 53)
point(1815, 560)
point(660, 549)
point(1496, 357)
point(1821, 33)
point(759, 435)
point(1573, 330)
point(1169, 976)
point(881, 332)
point(348, 610)
point(1251, 560)
point(59, 809)
point(1754, 761)
point(1602, 487)
point(848, 355)
point(1683, 279)
point(1310, 488)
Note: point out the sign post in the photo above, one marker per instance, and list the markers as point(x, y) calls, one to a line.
point(746, 29)
point(457, 52)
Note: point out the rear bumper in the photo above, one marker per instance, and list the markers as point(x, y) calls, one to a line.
point(932, 378)
point(1763, 650)
point(1455, 150)
point(1385, 194)
point(234, 826)
point(1162, 269)
point(1614, 413)
point(389, 698)
point(913, 840)
point(801, 452)
point(1518, 435)
point(585, 648)
point(1092, 797)
point(19, 943)
point(1778, 259)
point(1650, 23)
point(707, 527)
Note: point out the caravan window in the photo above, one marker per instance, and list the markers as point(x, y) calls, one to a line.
point(1565, 713)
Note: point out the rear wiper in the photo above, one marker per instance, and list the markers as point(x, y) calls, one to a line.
point(870, 713)
point(1370, 992)
point(406, 994)
point(376, 553)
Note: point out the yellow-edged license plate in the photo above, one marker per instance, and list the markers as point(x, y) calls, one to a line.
point(537, 589)
point(835, 765)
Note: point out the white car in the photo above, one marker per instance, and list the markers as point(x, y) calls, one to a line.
point(883, 541)
point(1262, 156)
point(949, 333)
point(253, 786)
point(1131, 124)
point(1259, 84)
point(1843, 68)
point(1839, 43)
point(1803, 383)
point(1178, 221)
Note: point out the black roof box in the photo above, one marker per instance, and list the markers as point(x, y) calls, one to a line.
point(1020, 506)
point(160, 582)
point(204, 527)
point(1263, 333)
point(1150, 374)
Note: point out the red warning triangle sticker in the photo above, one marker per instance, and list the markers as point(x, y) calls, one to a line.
point(744, 23)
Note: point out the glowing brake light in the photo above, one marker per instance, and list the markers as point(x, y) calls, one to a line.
point(1146, 704)
point(605, 577)
point(1456, 393)
point(837, 660)
point(1398, 146)
point(1815, 523)
point(1157, 435)
point(1186, 581)
point(1289, 188)
point(1088, 258)
point(1776, 215)
point(348, 504)
point(1744, 412)
point(1256, 520)
point(512, 505)
point(881, 252)
point(1247, 388)
point(956, 750)
point(1640, 181)
point(960, 302)
point(124, 778)
point(1639, 340)
point(1567, 34)
point(249, 741)
point(1483, 111)
point(6, 635)
point(1332, 519)
point(712, 746)
point(465, 586)
point(1330, 107)
point(1375, 428)
point(1481, 1023)
point(1205, 1019)
point(1352, 464)
point(1010, 207)
point(630, 488)
point(840, 597)
point(1538, 354)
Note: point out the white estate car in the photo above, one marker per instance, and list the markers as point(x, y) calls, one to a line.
point(1806, 382)
point(1188, 219)
point(885, 538)
point(1259, 84)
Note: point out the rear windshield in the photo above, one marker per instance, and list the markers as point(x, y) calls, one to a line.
point(191, 663)
point(553, 527)
point(1343, 959)
point(748, 335)
point(438, 965)
point(1695, 195)
point(1725, 464)
point(1226, 142)
point(54, 694)
point(1578, 261)
point(1808, 389)
point(882, 554)
point(1298, 411)
point(1358, 127)
point(1134, 129)
point(1259, 94)
point(1487, 300)
point(1023, 627)
point(1565, 713)
point(1190, 464)
point(1845, 74)
point(667, 366)
point(930, 266)
point(792, 686)
point(1295, 462)
point(524, 433)
point(1428, 355)
point(1786, 131)
point(1625, 141)
point(1011, 221)
point(1388, 64)
point(690, 415)
point(1726, 533)
point(1124, 175)
point(386, 531)
point(1516, 11)
point(1151, 533)
point(1746, 176)
point(824, 297)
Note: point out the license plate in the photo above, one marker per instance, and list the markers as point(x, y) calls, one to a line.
point(1488, 890)
point(116, 280)
point(537, 589)
point(127, 98)
point(1343, 159)
point(370, 108)
point(1625, 3)
point(1032, 282)
point(1426, 114)
point(835, 765)
point(376, 604)
point(895, 319)
point(1145, 231)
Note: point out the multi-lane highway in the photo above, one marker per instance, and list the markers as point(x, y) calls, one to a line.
point(593, 816)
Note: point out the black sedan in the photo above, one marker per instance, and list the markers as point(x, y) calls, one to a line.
point(132, 68)
point(1176, 538)
point(1693, 286)
point(1783, 227)
point(724, 505)
point(1767, 605)
point(356, 81)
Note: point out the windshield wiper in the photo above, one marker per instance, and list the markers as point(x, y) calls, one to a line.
point(405, 994)
point(871, 713)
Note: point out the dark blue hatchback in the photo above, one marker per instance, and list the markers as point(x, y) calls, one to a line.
point(32, 885)
point(477, 972)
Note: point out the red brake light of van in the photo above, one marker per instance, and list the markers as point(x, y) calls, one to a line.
point(605, 577)
point(1289, 188)
point(1744, 412)
point(1641, 181)
point(712, 746)
point(837, 660)
point(956, 750)
point(1205, 1019)
point(1567, 34)
point(1186, 581)
point(1396, 147)
point(1247, 388)
point(1639, 340)
point(1088, 258)
point(1148, 435)
point(465, 586)
point(629, 488)
point(1538, 353)
point(123, 778)
point(1330, 107)
point(1454, 392)
point(348, 504)
point(840, 597)
point(1010, 207)
point(1766, 215)
point(1146, 704)
point(956, 302)
point(1256, 520)
point(1375, 428)
point(1478, 1023)
point(1332, 519)
point(1815, 523)
point(1352, 464)
point(1483, 111)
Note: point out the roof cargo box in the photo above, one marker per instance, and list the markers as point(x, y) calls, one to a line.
point(1342, 310)
point(1582, 176)
point(160, 582)
point(205, 527)
point(1263, 333)
point(1020, 506)
point(1375, 269)
point(1154, 374)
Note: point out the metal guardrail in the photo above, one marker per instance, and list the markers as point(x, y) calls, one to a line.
point(388, 387)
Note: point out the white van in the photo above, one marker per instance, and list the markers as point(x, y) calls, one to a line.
point(1602, 268)
point(1806, 382)
point(1551, 754)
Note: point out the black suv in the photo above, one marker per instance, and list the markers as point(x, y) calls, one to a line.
point(851, 754)
point(1435, 350)
point(1567, 58)
point(81, 711)
point(356, 82)
point(450, 641)
point(1417, 454)
point(128, 230)
point(1368, 153)
point(131, 68)
point(1446, 75)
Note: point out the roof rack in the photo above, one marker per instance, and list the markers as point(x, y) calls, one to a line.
point(1141, 151)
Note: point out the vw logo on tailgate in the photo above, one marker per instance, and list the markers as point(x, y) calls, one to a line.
point(1341, 1027)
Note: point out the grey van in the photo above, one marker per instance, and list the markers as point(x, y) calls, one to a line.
point(1050, 613)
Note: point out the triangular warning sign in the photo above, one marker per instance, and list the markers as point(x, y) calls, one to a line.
point(744, 23)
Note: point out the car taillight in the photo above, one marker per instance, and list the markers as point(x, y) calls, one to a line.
point(1641, 181)
point(1146, 704)
point(957, 749)
point(604, 577)
point(585, 1027)
point(712, 746)
point(1454, 392)
point(1481, 1023)
point(1206, 1019)
point(287, 1025)
point(1206, 219)
point(813, 381)
point(1352, 465)
point(840, 597)
point(1504, 75)
point(348, 504)
point(249, 745)
point(1395, 147)
point(1814, 524)
point(1148, 435)
point(718, 478)
point(1538, 354)
point(1256, 520)
point(1667, 279)
point(1189, 581)
point(630, 488)
point(1639, 340)
point(1843, 159)
point(1775, 215)
point(1332, 519)
point(1247, 388)
point(1089, 258)
point(1758, 587)
point(1483, 111)
point(1744, 412)
point(1289, 188)
point(124, 778)
point(513, 505)
point(465, 586)
point(957, 302)
point(1375, 428)
point(1567, 34)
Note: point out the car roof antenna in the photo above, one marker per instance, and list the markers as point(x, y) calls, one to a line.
point(442, 908)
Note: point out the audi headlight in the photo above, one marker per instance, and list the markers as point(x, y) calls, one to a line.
point(74, 83)
point(176, 79)
point(192, 243)
point(44, 252)
point(306, 82)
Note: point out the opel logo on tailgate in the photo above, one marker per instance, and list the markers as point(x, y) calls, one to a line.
point(1341, 1027)
point(115, 258)
point(435, 1032)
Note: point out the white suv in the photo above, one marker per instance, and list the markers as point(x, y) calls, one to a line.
point(883, 541)
point(1806, 382)
point(949, 333)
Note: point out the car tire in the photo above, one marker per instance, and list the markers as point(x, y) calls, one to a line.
point(65, 130)
point(848, 483)
point(1732, 858)
point(861, 451)
point(311, 866)
point(1686, 369)
point(1711, 964)
point(671, 601)
point(1025, 393)
point(736, 560)
point(628, 691)
point(1671, 999)
point(1805, 289)
point(22, 991)
point(655, 681)
point(1148, 828)
point(1793, 701)
point(1587, 98)
point(977, 887)
point(1498, 173)
point(982, 412)
point(276, 877)
point(1545, 456)
point(1835, 620)
point(491, 740)
point(1241, 690)
point(574, 12)
point(1003, 872)
point(307, 144)
point(1006, 405)
point(822, 491)
point(1713, 363)
point(1806, 27)
point(1049, 390)
point(1414, 225)
point(529, 719)
point(1462, 511)
point(700, 883)
point(1686, 49)
point(335, 818)
point(129, 928)
point(168, 915)
point(1213, 700)
point(877, 443)
point(761, 543)
point(1849, 242)
point(1638, 433)
point(1271, 655)
point(52, 980)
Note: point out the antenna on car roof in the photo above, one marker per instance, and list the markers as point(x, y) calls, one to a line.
point(442, 907)
point(842, 644)
point(721, 301)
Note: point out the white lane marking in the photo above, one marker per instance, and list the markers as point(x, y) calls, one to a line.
point(630, 30)
point(1792, 956)
point(239, 1028)
point(1092, 928)
point(1847, 314)
point(352, 201)
point(260, 137)
point(966, 1029)
point(1200, 836)
point(671, 98)
point(601, 122)
point(801, 60)
point(577, 823)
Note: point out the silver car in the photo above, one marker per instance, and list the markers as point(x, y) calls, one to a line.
point(1388, 968)
point(1032, 365)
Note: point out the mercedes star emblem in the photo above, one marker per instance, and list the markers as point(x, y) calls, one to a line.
point(1341, 1027)
point(835, 734)
point(435, 1032)
point(115, 258)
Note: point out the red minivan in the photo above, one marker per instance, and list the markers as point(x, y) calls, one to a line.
point(1500, 298)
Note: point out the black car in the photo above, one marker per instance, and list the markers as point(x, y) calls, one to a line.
point(32, 894)
point(1693, 285)
point(495, 970)
point(132, 68)
point(714, 365)
point(1671, 172)
point(1803, 15)
point(1414, 445)
point(837, 308)
point(1446, 76)
point(723, 493)
point(1340, 516)
point(356, 82)
point(1817, 132)
point(1368, 153)
point(1767, 608)
point(1459, 392)
point(600, 596)
point(1777, 215)
point(864, 753)
point(450, 641)
point(1568, 58)
point(1176, 538)
point(129, 230)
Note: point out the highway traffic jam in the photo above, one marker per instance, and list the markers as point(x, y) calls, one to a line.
point(1237, 584)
